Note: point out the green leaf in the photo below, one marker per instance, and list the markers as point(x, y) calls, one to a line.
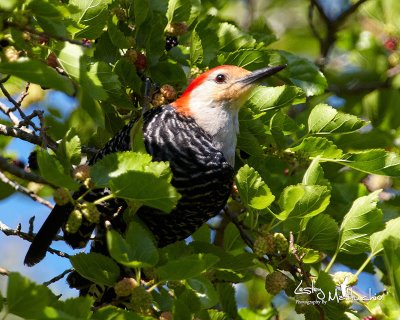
point(178, 10)
point(185, 305)
point(39, 73)
point(88, 10)
point(196, 49)
point(116, 164)
point(362, 220)
point(310, 256)
point(127, 74)
point(78, 308)
point(133, 176)
point(48, 17)
point(202, 234)
point(282, 123)
point(8, 5)
point(261, 31)
point(69, 58)
point(209, 39)
point(204, 290)
point(318, 146)
point(251, 314)
point(333, 309)
point(280, 126)
point(26, 299)
point(96, 267)
point(252, 134)
point(269, 98)
point(247, 58)
point(96, 26)
point(392, 228)
point(141, 11)
point(232, 38)
point(90, 80)
point(115, 313)
point(252, 189)
point(136, 250)
point(116, 35)
point(146, 188)
point(302, 201)
point(69, 150)
point(324, 119)
point(186, 267)
point(314, 174)
point(376, 161)
point(168, 72)
point(1, 302)
point(301, 72)
point(232, 239)
point(53, 171)
point(321, 233)
point(227, 299)
point(391, 247)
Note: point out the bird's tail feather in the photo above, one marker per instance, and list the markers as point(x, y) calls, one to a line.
point(42, 241)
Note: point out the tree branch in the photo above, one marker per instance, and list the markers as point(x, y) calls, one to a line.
point(57, 278)
point(247, 238)
point(26, 136)
point(46, 35)
point(29, 237)
point(5, 165)
point(29, 193)
point(27, 120)
point(332, 26)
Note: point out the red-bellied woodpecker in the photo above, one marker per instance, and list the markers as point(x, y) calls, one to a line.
point(197, 135)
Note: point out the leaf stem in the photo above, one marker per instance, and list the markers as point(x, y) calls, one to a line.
point(276, 224)
point(364, 264)
point(138, 275)
point(299, 140)
point(83, 195)
point(103, 199)
point(329, 266)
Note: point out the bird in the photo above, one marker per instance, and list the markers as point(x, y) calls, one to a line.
point(197, 135)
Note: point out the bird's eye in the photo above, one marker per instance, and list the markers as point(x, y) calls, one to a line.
point(220, 78)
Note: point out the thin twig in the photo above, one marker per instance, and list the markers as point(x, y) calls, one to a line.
point(332, 27)
point(29, 193)
point(23, 235)
point(46, 35)
point(24, 94)
point(31, 222)
point(57, 278)
point(26, 120)
point(29, 237)
point(5, 79)
point(26, 136)
point(247, 238)
point(8, 112)
point(6, 166)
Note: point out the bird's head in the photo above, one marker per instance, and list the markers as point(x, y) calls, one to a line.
point(221, 87)
point(214, 98)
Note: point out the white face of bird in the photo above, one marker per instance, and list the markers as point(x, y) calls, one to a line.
point(214, 98)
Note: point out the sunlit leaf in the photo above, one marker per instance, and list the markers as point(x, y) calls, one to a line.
point(39, 73)
point(96, 267)
point(252, 189)
point(362, 220)
point(324, 119)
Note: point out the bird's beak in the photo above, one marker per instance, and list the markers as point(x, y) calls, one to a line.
point(260, 74)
